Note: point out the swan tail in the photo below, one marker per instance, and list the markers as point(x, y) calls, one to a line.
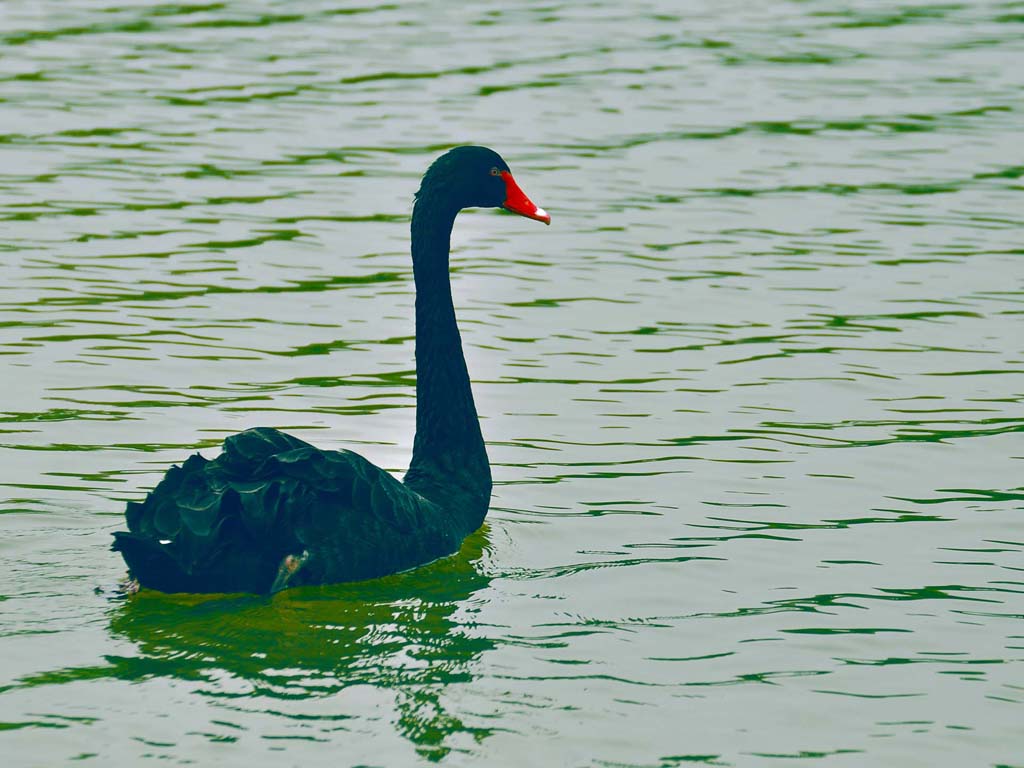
point(150, 563)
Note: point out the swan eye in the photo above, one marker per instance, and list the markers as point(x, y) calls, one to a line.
point(495, 172)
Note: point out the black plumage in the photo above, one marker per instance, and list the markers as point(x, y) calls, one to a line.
point(226, 525)
point(272, 511)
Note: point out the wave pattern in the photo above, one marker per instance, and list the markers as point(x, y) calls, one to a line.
point(753, 403)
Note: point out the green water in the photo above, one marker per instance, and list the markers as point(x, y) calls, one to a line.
point(753, 401)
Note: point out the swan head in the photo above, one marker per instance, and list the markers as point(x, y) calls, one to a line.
point(477, 177)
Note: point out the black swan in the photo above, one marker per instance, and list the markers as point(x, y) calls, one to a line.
point(272, 511)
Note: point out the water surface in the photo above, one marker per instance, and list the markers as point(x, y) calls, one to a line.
point(753, 402)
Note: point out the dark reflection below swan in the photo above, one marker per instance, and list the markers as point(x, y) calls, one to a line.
point(410, 634)
point(273, 511)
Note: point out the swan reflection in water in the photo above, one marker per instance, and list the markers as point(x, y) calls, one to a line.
point(410, 634)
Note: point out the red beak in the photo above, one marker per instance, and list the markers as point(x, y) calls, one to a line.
point(517, 201)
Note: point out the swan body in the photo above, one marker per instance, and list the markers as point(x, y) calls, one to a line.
point(272, 511)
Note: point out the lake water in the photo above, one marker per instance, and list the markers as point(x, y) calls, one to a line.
point(753, 401)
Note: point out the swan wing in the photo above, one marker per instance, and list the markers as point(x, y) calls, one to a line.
point(227, 524)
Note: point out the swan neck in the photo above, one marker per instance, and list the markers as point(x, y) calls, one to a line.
point(449, 461)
